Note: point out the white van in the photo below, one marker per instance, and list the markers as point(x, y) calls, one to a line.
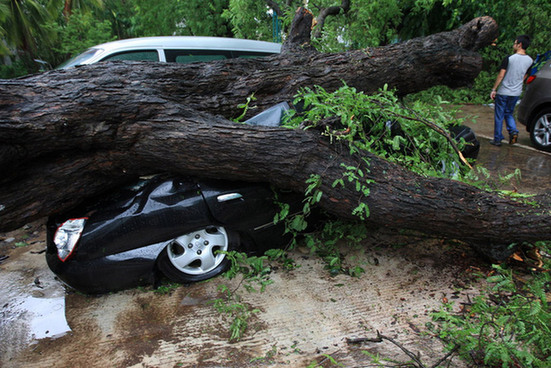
point(178, 49)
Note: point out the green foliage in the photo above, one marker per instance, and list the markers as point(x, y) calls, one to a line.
point(253, 270)
point(167, 288)
point(508, 326)
point(280, 256)
point(239, 313)
point(20, 23)
point(157, 18)
point(368, 24)
point(476, 94)
point(245, 106)
point(249, 19)
point(296, 223)
point(205, 18)
point(414, 137)
point(327, 359)
point(356, 175)
point(81, 32)
point(325, 244)
point(254, 273)
point(14, 70)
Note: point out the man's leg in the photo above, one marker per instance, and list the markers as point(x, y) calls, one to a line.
point(510, 120)
point(499, 111)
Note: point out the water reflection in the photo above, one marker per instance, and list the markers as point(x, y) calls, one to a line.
point(535, 166)
point(29, 310)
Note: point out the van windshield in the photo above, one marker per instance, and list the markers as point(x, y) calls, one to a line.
point(80, 59)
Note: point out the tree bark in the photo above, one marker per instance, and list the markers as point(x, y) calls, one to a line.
point(71, 134)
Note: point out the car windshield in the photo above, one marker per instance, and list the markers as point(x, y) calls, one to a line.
point(80, 59)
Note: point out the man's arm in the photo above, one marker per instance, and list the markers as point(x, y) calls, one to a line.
point(499, 78)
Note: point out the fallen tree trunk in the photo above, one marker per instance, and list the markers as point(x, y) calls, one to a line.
point(68, 135)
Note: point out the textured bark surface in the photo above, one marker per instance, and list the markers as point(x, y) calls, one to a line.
point(71, 134)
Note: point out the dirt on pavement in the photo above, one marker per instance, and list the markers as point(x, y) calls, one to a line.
point(305, 316)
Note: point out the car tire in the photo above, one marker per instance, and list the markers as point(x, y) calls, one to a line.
point(197, 256)
point(472, 145)
point(540, 132)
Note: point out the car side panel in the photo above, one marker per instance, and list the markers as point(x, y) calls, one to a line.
point(536, 97)
point(239, 206)
point(110, 273)
point(250, 210)
point(161, 211)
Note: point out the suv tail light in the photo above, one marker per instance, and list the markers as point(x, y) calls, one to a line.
point(67, 236)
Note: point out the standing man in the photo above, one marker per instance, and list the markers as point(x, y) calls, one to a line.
point(510, 78)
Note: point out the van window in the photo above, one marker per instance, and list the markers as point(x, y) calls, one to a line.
point(249, 54)
point(184, 59)
point(80, 59)
point(140, 55)
point(191, 56)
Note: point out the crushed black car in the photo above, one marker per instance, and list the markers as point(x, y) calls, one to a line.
point(179, 226)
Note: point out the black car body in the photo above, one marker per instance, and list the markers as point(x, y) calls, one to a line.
point(122, 240)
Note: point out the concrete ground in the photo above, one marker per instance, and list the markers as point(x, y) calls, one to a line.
point(305, 317)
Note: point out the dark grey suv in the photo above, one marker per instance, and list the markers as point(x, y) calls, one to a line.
point(534, 110)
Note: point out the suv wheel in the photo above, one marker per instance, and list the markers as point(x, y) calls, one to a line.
point(540, 134)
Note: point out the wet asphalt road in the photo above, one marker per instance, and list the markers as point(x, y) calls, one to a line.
point(534, 165)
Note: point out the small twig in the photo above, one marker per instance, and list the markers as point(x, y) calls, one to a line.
point(445, 357)
point(361, 340)
point(380, 338)
point(415, 358)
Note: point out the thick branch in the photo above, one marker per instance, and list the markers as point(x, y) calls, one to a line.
point(344, 7)
point(207, 146)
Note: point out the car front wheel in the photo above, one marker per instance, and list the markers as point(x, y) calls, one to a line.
point(197, 256)
point(540, 133)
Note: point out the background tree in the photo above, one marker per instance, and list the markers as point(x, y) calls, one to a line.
point(20, 24)
point(249, 19)
point(157, 18)
point(3, 15)
point(82, 30)
point(206, 18)
point(69, 6)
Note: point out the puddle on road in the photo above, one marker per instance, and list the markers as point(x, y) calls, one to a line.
point(29, 313)
point(41, 317)
point(534, 165)
point(32, 301)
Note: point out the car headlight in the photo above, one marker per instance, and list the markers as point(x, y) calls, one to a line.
point(67, 236)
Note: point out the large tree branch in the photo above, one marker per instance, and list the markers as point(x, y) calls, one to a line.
point(207, 146)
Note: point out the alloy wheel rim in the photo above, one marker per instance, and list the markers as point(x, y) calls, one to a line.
point(199, 252)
